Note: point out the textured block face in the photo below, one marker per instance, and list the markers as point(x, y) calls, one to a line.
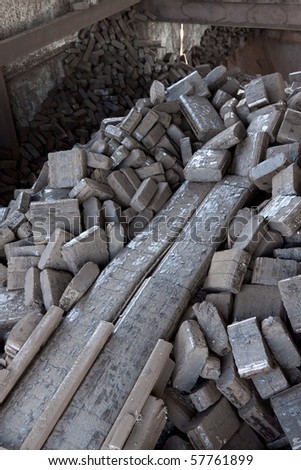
point(202, 117)
point(249, 153)
point(287, 406)
point(263, 173)
point(204, 396)
point(213, 328)
point(283, 214)
point(270, 383)
point(66, 169)
point(237, 391)
point(290, 291)
point(281, 343)
point(47, 216)
point(193, 81)
point(249, 349)
point(291, 151)
point(227, 271)
point(207, 165)
point(191, 353)
point(227, 138)
point(287, 182)
point(261, 418)
point(260, 301)
point(90, 245)
point(268, 123)
point(256, 94)
point(213, 428)
point(290, 127)
point(269, 271)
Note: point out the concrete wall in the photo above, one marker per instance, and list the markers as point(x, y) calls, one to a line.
point(285, 14)
point(18, 15)
point(272, 51)
point(169, 34)
point(32, 76)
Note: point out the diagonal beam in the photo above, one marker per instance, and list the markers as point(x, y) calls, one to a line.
point(26, 42)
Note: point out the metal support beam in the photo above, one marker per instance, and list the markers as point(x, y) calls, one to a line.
point(26, 42)
point(266, 14)
point(8, 134)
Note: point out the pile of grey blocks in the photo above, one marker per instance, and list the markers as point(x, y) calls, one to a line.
point(236, 376)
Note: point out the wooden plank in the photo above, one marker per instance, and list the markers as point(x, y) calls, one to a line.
point(26, 42)
point(8, 134)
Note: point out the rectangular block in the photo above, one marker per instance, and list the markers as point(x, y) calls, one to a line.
point(32, 288)
point(145, 125)
point(201, 116)
point(193, 82)
point(81, 282)
point(275, 87)
point(135, 159)
point(13, 308)
point(144, 195)
point(287, 182)
point(122, 188)
point(52, 255)
point(207, 165)
point(223, 301)
point(268, 123)
point(290, 291)
point(16, 270)
point(131, 121)
point(92, 213)
point(260, 301)
point(213, 328)
point(160, 198)
point(190, 353)
point(150, 170)
point(228, 138)
point(270, 383)
point(291, 151)
point(53, 283)
point(256, 94)
point(263, 173)
point(204, 396)
point(237, 391)
point(227, 271)
point(216, 78)
point(90, 245)
point(293, 253)
point(186, 151)
point(269, 271)
point(249, 153)
point(287, 407)
point(244, 439)
point(290, 128)
point(283, 214)
point(212, 368)
point(251, 234)
point(147, 430)
point(261, 418)
point(47, 216)
point(211, 429)
point(87, 188)
point(249, 349)
point(97, 160)
point(179, 407)
point(67, 168)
